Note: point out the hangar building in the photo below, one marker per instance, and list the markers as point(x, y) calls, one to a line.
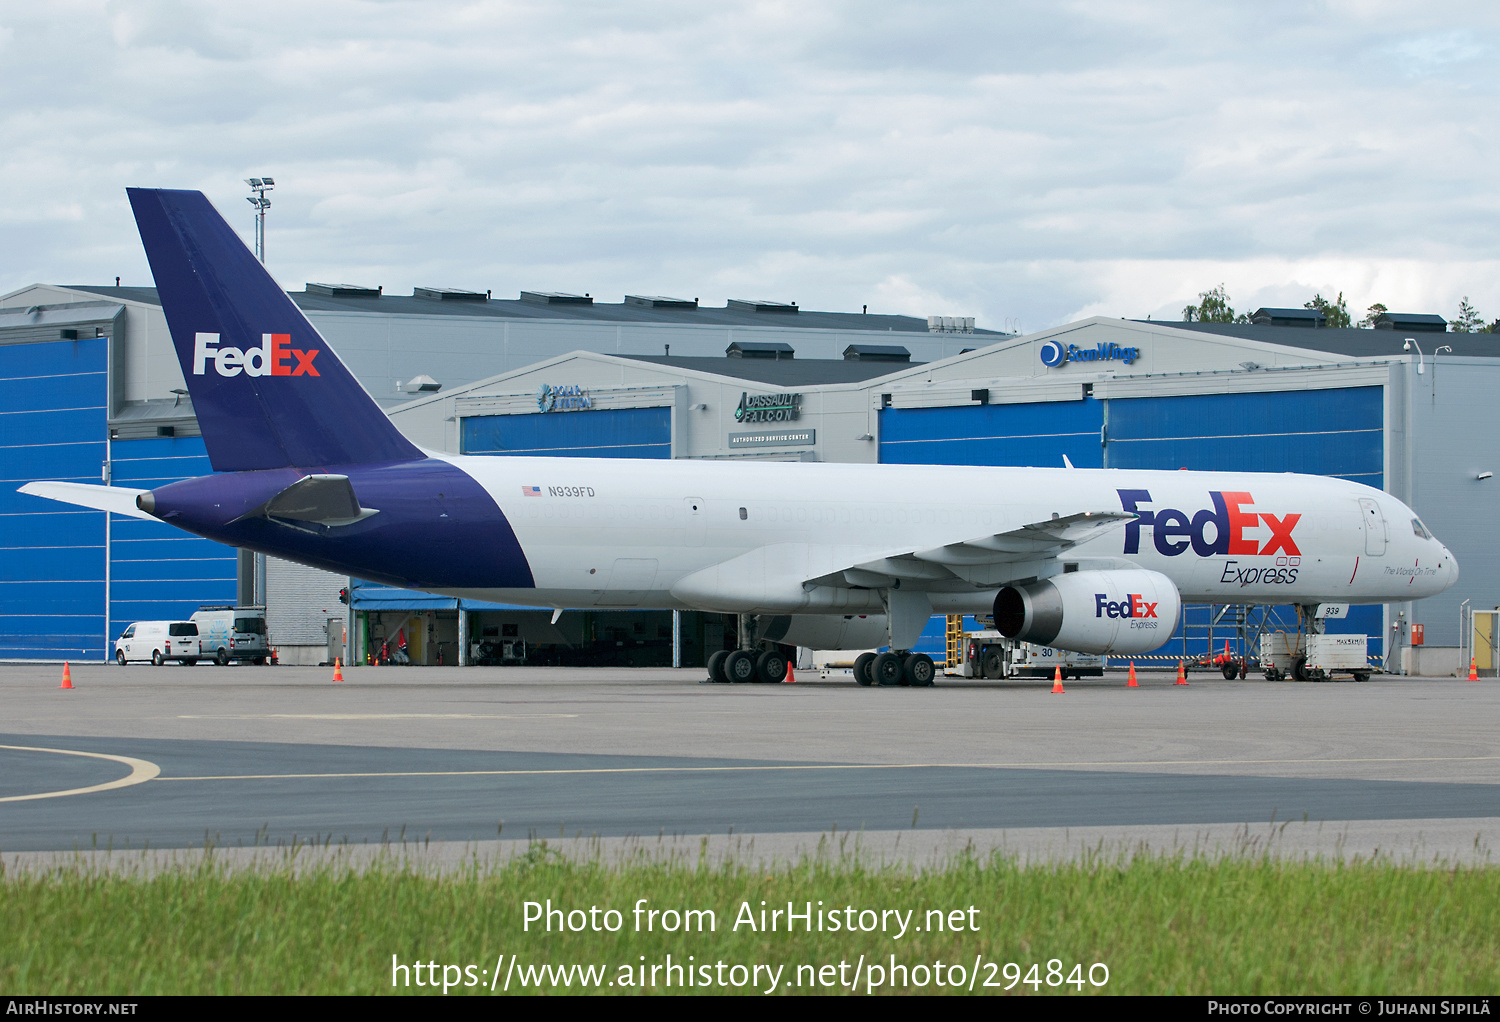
point(94, 393)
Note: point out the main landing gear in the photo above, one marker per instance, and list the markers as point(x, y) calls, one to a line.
point(741, 666)
point(897, 667)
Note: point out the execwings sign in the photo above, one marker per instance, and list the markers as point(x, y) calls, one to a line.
point(1054, 354)
point(274, 357)
point(563, 399)
point(1219, 530)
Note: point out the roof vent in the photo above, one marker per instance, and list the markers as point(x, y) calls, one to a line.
point(423, 384)
point(950, 324)
point(661, 302)
point(1412, 322)
point(876, 353)
point(448, 294)
point(746, 305)
point(776, 350)
point(555, 298)
point(1309, 319)
point(343, 290)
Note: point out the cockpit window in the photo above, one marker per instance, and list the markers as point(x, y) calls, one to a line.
point(1420, 529)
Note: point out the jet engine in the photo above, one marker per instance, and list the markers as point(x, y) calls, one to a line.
point(1124, 611)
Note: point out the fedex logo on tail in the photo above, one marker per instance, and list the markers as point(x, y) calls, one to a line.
point(1173, 531)
point(274, 357)
point(1132, 606)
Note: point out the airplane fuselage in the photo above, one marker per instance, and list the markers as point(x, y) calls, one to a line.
point(582, 532)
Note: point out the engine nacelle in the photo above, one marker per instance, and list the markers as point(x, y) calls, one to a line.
point(1125, 611)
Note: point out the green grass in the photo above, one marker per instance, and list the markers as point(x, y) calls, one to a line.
point(1176, 924)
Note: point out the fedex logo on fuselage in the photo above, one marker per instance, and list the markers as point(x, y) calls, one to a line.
point(1173, 531)
point(274, 357)
point(1132, 606)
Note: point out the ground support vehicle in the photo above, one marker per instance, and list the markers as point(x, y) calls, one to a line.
point(1316, 657)
point(158, 642)
point(985, 653)
point(233, 633)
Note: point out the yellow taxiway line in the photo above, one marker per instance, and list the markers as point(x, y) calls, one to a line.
point(141, 771)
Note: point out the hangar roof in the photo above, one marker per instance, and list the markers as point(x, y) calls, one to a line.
point(607, 312)
point(794, 372)
point(1355, 343)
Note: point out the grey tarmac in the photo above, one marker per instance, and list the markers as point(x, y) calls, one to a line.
point(249, 756)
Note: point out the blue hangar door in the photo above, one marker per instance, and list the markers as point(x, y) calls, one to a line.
point(1014, 435)
point(71, 579)
point(1337, 432)
point(53, 425)
point(596, 433)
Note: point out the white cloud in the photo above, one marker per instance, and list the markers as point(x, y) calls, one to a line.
point(1025, 162)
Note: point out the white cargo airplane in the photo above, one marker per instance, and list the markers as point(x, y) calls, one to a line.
point(307, 467)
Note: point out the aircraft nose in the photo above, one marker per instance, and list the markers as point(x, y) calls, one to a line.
point(1452, 566)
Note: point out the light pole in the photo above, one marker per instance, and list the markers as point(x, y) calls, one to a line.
point(260, 186)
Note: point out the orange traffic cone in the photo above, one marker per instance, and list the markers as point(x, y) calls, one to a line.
point(1131, 683)
point(1181, 675)
point(790, 679)
point(338, 669)
point(67, 681)
point(1057, 688)
point(1473, 671)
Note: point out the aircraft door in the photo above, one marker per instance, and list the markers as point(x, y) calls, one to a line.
point(695, 514)
point(1376, 532)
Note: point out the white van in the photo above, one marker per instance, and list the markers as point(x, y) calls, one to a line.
point(158, 642)
point(233, 633)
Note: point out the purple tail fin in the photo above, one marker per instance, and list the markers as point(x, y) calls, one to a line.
point(267, 390)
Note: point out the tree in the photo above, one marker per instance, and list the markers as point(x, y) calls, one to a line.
point(1468, 321)
point(1375, 312)
point(1213, 307)
point(1335, 313)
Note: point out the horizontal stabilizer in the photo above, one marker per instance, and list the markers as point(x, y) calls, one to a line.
point(119, 499)
point(323, 499)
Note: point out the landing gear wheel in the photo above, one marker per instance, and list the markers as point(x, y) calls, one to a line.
point(992, 664)
point(716, 667)
point(120, 657)
point(1231, 671)
point(156, 658)
point(739, 667)
point(919, 670)
point(222, 657)
point(770, 667)
point(1299, 668)
point(888, 669)
point(862, 665)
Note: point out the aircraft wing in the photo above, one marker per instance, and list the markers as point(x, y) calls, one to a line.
point(987, 560)
point(118, 499)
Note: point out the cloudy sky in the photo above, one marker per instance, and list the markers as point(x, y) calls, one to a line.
point(1026, 163)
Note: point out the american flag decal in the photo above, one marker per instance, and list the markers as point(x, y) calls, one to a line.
point(531, 491)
